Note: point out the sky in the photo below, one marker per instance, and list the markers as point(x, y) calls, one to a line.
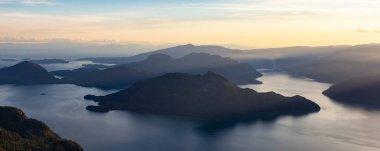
point(254, 23)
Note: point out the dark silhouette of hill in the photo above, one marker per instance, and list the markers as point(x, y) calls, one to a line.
point(208, 96)
point(361, 91)
point(159, 64)
point(176, 52)
point(19, 133)
point(25, 73)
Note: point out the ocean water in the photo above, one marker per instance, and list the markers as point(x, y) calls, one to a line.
point(336, 127)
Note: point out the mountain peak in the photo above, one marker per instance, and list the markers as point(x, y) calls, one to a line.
point(189, 45)
point(212, 75)
point(27, 64)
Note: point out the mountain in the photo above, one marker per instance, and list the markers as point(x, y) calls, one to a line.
point(208, 96)
point(176, 52)
point(197, 63)
point(361, 91)
point(258, 58)
point(159, 64)
point(26, 73)
point(19, 133)
point(336, 66)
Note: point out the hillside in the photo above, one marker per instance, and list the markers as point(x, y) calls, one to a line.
point(361, 91)
point(19, 133)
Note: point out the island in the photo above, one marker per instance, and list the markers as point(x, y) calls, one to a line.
point(362, 91)
point(208, 97)
point(25, 73)
point(20, 133)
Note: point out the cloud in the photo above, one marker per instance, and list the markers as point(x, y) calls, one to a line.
point(362, 31)
point(367, 31)
point(28, 2)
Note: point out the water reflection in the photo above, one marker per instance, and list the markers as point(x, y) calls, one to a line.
point(335, 127)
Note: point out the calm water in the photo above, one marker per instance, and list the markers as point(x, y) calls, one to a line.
point(335, 127)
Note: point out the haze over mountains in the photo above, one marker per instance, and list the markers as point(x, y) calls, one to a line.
point(336, 66)
point(182, 50)
point(330, 64)
point(158, 64)
point(175, 52)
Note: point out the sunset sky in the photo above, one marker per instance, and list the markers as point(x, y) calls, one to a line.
point(256, 23)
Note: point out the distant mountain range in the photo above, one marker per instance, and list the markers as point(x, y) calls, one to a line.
point(159, 64)
point(175, 52)
point(20, 133)
point(336, 66)
point(282, 58)
point(331, 64)
point(209, 96)
point(245, 55)
point(363, 91)
point(121, 76)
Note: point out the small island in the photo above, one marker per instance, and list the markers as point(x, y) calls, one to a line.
point(362, 91)
point(20, 133)
point(208, 96)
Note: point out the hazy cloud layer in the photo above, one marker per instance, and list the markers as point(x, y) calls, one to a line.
point(28, 2)
point(368, 31)
point(262, 23)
